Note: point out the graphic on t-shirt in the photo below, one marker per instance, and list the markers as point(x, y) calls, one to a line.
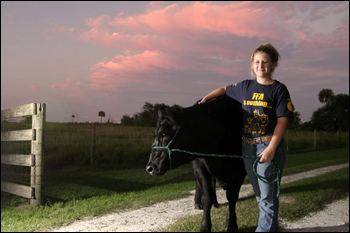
point(257, 100)
point(290, 105)
point(256, 124)
point(262, 105)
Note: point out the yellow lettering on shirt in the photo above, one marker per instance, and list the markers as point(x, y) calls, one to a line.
point(258, 96)
point(257, 100)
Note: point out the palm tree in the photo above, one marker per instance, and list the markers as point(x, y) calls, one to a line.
point(101, 114)
point(73, 118)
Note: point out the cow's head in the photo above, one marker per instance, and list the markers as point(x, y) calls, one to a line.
point(167, 130)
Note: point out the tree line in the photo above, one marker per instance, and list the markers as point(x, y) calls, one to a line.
point(332, 116)
point(147, 117)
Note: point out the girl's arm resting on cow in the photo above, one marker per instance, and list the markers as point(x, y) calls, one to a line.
point(268, 154)
point(216, 93)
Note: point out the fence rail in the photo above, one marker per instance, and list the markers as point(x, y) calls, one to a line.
point(18, 135)
point(35, 159)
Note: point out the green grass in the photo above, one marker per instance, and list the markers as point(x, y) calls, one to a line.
point(299, 162)
point(297, 200)
point(299, 141)
point(75, 193)
point(115, 146)
point(68, 144)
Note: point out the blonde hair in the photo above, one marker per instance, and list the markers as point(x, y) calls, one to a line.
point(269, 50)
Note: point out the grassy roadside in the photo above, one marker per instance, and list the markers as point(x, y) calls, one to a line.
point(297, 200)
point(76, 193)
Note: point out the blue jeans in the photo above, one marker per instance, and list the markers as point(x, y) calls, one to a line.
point(265, 193)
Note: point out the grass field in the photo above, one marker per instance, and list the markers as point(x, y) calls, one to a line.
point(78, 192)
point(117, 146)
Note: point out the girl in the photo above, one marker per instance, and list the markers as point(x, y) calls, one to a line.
point(267, 108)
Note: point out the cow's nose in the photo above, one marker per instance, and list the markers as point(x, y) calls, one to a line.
point(149, 169)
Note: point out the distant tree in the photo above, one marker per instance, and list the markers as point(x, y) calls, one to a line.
point(307, 126)
point(73, 118)
point(340, 109)
point(148, 116)
point(101, 114)
point(334, 115)
point(295, 121)
point(126, 121)
point(326, 96)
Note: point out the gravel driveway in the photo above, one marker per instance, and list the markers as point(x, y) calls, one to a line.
point(333, 218)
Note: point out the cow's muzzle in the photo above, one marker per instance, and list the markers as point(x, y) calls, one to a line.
point(152, 169)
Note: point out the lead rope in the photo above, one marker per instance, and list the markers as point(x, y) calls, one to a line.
point(263, 179)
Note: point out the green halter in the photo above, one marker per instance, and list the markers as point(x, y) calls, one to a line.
point(263, 179)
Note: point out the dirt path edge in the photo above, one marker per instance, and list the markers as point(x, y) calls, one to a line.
point(334, 218)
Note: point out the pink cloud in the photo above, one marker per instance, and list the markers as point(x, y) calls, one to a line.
point(186, 28)
point(71, 88)
point(33, 88)
point(121, 69)
point(58, 29)
point(70, 84)
point(338, 39)
point(243, 19)
point(207, 36)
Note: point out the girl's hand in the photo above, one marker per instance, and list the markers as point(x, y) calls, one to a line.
point(267, 155)
point(202, 101)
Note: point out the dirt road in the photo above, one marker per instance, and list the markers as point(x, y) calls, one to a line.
point(334, 218)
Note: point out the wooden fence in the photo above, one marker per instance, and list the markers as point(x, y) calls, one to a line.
point(35, 160)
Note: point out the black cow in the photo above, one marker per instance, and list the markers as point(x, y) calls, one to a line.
point(210, 128)
point(198, 170)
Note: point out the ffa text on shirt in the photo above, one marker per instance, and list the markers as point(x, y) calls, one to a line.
point(256, 100)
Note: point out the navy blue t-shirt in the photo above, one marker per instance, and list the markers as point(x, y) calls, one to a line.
point(262, 105)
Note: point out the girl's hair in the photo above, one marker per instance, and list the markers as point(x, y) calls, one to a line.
point(269, 50)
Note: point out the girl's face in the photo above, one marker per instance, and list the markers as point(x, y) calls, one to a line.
point(262, 65)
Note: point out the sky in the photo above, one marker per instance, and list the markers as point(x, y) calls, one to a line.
point(89, 56)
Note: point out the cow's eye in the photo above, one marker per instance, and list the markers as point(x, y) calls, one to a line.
point(164, 135)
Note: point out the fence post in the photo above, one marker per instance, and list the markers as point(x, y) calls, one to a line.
point(315, 139)
point(37, 171)
point(92, 145)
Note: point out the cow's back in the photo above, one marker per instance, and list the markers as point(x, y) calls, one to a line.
point(222, 117)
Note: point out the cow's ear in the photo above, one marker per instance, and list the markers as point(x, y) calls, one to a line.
point(173, 111)
point(176, 114)
point(162, 110)
point(176, 111)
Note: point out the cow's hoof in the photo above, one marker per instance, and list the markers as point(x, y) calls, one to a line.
point(232, 229)
point(198, 207)
point(216, 205)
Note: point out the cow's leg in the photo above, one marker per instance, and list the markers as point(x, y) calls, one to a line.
point(197, 176)
point(207, 199)
point(197, 197)
point(207, 202)
point(216, 203)
point(232, 196)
